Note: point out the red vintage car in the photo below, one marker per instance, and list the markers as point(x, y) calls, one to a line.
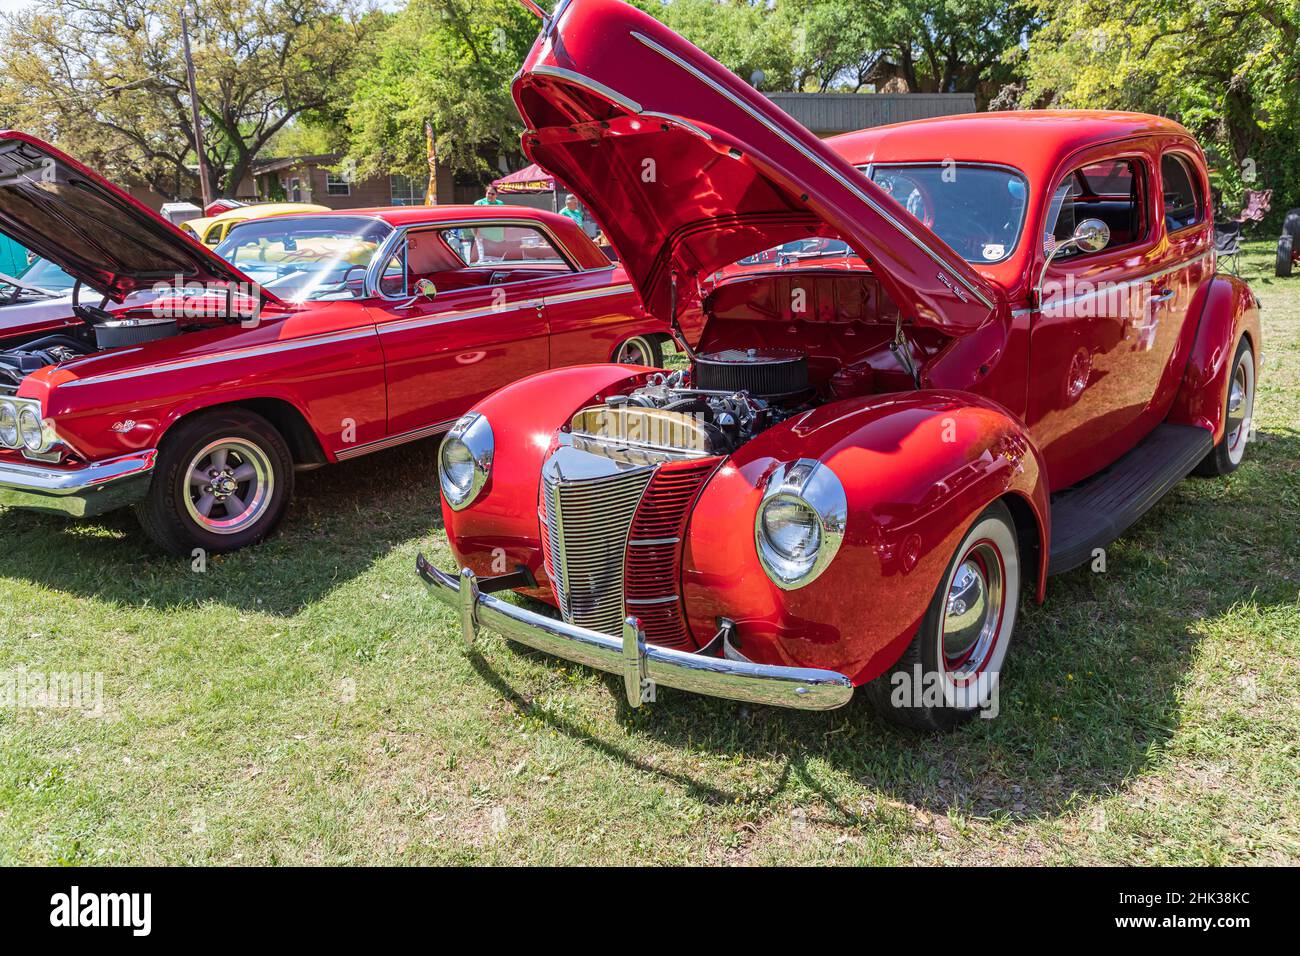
point(301, 340)
point(939, 361)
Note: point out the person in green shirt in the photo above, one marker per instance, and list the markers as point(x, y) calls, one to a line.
point(490, 235)
point(490, 198)
point(573, 211)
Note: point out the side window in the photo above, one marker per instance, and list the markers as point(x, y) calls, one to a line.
point(392, 280)
point(1111, 191)
point(469, 257)
point(1184, 205)
point(504, 245)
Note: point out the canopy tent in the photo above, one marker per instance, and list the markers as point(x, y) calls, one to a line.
point(530, 179)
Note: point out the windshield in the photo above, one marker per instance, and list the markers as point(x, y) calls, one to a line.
point(44, 274)
point(977, 210)
point(312, 257)
point(799, 250)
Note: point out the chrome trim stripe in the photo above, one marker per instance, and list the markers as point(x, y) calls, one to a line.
point(250, 352)
point(678, 121)
point(795, 144)
point(425, 321)
point(651, 542)
point(586, 82)
point(670, 599)
point(802, 688)
point(588, 294)
point(1127, 282)
point(394, 440)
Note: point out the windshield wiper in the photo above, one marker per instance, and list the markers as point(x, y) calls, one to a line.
point(20, 287)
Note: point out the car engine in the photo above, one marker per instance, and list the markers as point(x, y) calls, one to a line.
point(99, 330)
point(726, 399)
point(17, 363)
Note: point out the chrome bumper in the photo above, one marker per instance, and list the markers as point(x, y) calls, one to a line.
point(81, 492)
point(642, 665)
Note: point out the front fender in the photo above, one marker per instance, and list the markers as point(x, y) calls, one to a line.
point(500, 529)
point(1231, 310)
point(917, 468)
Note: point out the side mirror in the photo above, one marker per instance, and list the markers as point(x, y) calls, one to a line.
point(1091, 235)
point(425, 289)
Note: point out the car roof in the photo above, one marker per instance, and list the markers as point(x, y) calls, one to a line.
point(565, 229)
point(1032, 140)
point(257, 210)
point(409, 215)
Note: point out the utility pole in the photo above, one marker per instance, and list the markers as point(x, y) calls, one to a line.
point(204, 186)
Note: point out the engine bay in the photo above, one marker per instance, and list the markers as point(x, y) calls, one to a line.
point(809, 338)
point(89, 330)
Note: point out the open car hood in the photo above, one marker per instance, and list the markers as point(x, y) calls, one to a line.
point(85, 225)
point(689, 169)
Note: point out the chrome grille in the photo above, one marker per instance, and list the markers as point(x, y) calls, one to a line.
point(587, 525)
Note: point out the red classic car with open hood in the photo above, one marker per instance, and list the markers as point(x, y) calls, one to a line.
point(939, 361)
point(300, 340)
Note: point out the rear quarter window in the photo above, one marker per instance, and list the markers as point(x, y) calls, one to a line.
point(1184, 204)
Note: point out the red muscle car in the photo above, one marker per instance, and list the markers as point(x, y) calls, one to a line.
point(300, 340)
point(939, 361)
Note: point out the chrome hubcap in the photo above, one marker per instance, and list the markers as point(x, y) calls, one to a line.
point(974, 611)
point(1241, 400)
point(633, 353)
point(229, 486)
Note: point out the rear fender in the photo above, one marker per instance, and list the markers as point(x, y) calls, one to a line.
point(1230, 311)
point(917, 468)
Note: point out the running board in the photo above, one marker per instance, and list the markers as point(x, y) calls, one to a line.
point(1099, 509)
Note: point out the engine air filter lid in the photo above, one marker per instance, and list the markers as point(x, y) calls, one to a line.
point(763, 372)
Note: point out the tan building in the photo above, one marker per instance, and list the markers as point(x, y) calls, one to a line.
point(319, 179)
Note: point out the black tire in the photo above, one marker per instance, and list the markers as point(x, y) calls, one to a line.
point(1291, 224)
point(1285, 246)
point(1227, 455)
point(171, 515)
point(648, 346)
point(928, 652)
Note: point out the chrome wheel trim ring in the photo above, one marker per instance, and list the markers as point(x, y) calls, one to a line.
point(635, 351)
point(971, 642)
point(1241, 407)
point(228, 486)
point(973, 611)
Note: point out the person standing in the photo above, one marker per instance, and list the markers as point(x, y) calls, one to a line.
point(573, 211)
point(490, 197)
point(490, 239)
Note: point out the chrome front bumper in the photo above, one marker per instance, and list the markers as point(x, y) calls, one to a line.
point(642, 665)
point(81, 492)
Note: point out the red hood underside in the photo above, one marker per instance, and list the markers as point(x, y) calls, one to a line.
point(93, 231)
point(689, 169)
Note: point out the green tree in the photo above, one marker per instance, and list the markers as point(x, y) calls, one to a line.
point(448, 63)
point(1229, 70)
point(106, 78)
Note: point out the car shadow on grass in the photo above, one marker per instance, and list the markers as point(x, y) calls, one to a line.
point(1090, 697)
point(343, 519)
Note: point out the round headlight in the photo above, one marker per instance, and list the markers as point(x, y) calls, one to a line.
point(8, 425)
point(800, 523)
point(30, 430)
point(465, 460)
point(791, 527)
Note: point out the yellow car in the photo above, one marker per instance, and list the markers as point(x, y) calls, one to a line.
point(212, 229)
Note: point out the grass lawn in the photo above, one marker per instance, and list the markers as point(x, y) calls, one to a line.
point(304, 702)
